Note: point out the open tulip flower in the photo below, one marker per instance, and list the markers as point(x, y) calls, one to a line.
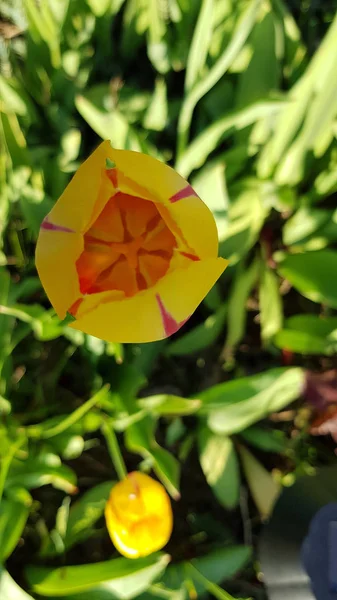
point(129, 249)
point(138, 515)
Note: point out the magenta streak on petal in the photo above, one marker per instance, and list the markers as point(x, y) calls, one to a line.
point(184, 193)
point(171, 326)
point(52, 227)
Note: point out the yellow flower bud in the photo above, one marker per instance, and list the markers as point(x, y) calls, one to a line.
point(139, 515)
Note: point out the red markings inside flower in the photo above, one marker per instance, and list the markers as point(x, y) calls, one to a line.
point(53, 227)
point(171, 326)
point(184, 193)
point(190, 256)
point(128, 248)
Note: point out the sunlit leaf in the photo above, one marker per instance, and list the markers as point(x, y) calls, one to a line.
point(220, 466)
point(234, 405)
point(263, 487)
point(123, 577)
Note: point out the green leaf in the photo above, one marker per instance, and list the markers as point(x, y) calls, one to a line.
point(201, 336)
point(308, 334)
point(306, 120)
point(242, 30)
point(6, 326)
point(77, 414)
point(269, 440)
point(157, 112)
point(311, 274)
point(99, 7)
point(157, 46)
point(42, 26)
point(13, 517)
point(247, 212)
point(206, 142)
point(200, 44)
point(271, 313)
point(234, 405)
point(217, 566)
point(106, 120)
point(243, 283)
point(15, 99)
point(44, 470)
point(34, 206)
point(14, 139)
point(263, 487)
point(219, 463)
point(85, 512)
point(82, 517)
point(168, 405)
point(139, 438)
point(9, 589)
point(210, 185)
point(304, 223)
point(120, 576)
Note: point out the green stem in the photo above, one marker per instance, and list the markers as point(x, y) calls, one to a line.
point(76, 415)
point(114, 450)
point(212, 588)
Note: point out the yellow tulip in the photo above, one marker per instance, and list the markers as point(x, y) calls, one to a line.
point(129, 249)
point(138, 515)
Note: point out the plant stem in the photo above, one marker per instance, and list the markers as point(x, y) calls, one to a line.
point(114, 450)
point(76, 415)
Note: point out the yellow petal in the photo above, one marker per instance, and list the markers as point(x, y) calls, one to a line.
point(56, 255)
point(154, 180)
point(155, 313)
point(139, 515)
point(86, 194)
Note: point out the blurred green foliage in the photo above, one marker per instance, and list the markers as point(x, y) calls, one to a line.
point(235, 97)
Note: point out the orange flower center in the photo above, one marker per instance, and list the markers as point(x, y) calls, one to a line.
point(128, 248)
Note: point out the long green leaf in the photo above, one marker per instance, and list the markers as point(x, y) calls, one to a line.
point(240, 35)
point(13, 517)
point(207, 141)
point(200, 44)
point(123, 577)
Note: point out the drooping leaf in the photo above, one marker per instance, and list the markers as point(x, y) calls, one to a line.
point(139, 437)
point(263, 487)
point(220, 466)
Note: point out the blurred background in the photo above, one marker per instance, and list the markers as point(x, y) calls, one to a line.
point(240, 96)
